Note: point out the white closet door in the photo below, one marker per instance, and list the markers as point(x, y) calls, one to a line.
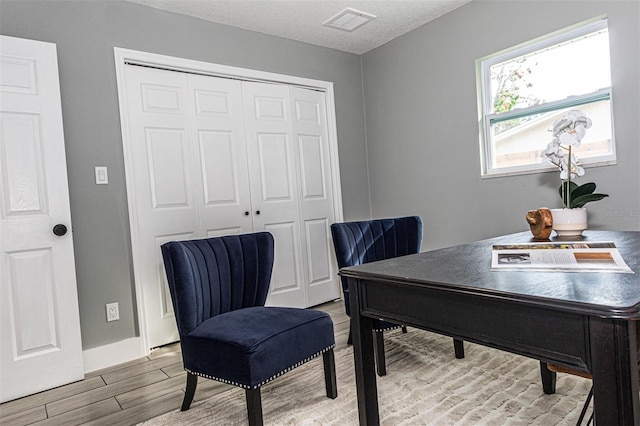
point(208, 156)
point(221, 172)
point(274, 190)
point(315, 193)
point(161, 168)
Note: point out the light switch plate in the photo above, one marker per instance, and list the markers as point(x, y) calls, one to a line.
point(102, 178)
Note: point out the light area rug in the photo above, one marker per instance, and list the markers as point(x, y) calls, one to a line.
point(424, 385)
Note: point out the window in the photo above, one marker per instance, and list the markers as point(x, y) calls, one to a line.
point(524, 90)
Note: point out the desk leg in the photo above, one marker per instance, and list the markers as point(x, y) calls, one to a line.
point(614, 357)
point(366, 388)
point(548, 379)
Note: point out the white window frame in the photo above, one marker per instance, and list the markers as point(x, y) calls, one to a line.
point(486, 118)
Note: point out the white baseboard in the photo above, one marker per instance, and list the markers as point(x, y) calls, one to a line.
point(112, 354)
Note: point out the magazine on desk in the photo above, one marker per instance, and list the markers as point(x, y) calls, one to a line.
point(559, 256)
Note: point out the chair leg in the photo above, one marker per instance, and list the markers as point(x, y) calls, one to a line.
point(254, 406)
point(404, 329)
point(190, 391)
point(548, 379)
point(331, 385)
point(378, 353)
point(458, 348)
point(585, 407)
point(591, 419)
point(349, 339)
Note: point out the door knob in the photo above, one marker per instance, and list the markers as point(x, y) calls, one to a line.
point(257, 211)
point(59, 230)
point(246, 213)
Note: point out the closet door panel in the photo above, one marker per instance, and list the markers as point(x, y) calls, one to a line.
point(319, 259)
point(274, 190)
point(219, 169)
point(161, 152)
point(312, 168)
point(287, 260)
point(275, 171)
point(315, 193)
point(223, 195)
point(160, 162)
point(168, 169)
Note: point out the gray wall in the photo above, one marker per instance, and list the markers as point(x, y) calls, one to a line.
point(420, 99)
point(422, 132)
point(85, 33)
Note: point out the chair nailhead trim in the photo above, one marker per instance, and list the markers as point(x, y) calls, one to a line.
point(229, 382)
point(387, 329)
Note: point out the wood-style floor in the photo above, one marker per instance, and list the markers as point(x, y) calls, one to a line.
point(129, 393)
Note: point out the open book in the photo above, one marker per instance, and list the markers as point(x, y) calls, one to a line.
point(559, 256)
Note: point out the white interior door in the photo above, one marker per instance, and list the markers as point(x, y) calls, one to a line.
point(221, 170)
point(274, 188)
point(187, 163)
point(41, 347)
point(209, 156)
point(162, 175)
point(317, 211)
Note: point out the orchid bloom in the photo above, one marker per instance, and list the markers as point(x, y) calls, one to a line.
point(553, 153)
point(571, 166)
point(571, 129)
point(567, 132)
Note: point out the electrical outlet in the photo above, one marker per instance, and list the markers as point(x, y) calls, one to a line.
point(113, 312)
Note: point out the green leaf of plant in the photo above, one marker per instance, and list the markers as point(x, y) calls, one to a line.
point(564, 193)
point(584, 189)
point(584, 199)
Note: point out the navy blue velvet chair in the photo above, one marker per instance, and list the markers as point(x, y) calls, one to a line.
point(367, 241)
point(218, 287)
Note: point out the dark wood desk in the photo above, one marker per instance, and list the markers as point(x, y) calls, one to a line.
point(584, 320)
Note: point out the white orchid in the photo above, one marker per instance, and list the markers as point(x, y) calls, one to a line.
point(571, 129)
point(567, 133)
point(572, 166)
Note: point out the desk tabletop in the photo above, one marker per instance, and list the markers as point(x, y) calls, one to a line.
point(466, 268)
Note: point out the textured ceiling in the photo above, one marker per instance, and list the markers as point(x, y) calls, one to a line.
point(302, 19)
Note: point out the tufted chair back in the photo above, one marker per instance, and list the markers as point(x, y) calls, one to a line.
point(367, 241)
point(209, 283)
point(219, 287)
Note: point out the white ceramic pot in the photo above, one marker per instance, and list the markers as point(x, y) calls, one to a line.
point(569, 222)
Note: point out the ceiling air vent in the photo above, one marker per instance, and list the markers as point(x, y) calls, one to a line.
point(349, 19)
